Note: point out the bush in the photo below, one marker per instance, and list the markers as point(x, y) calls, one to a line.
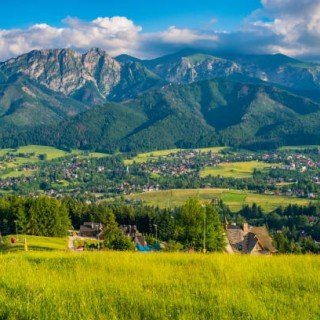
point(121, 243)
point(173, 246)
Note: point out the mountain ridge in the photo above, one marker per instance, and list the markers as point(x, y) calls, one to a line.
point(91, 100)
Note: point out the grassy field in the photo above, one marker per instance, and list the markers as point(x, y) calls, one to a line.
point(235, 169)
point(144, 157)
point(233, 198)
point(34, 243)
point(292, 148)
point(211, 149)
point(14, 174)
point(51, 152)
point(83, 154)
point(115, 285)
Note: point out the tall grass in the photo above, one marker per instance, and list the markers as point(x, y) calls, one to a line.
point(110, 285)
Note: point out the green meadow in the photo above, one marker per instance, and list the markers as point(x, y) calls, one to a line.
point(34, 243)
point(149, 156)
point(51, 152)
point(235, 199)
point(116, 285)
point(154, 155)
point(290, 148)
point(235, 169)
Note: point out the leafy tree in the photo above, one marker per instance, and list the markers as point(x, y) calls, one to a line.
point(215, 238)
point(191, 222)
point(121, 243)
point(47, 217)
point(284, 245)
point(196, 221)
point(19, 215)
point(113, 237)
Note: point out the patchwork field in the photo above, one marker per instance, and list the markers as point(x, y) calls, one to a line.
point(31, 155)
point(115, 285)
point(235, 169)
point(235, 199)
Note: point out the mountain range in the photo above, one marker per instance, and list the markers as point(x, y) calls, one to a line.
point(63, 98)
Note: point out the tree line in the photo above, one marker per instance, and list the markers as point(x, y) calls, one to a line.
point(294, 228)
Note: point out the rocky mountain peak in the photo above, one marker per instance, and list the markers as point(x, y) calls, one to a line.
point(67, 71)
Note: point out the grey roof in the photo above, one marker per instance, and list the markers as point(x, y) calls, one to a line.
point(235, 237)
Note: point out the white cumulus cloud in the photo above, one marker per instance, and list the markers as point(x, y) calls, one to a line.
point(287, 26)
point(116, 35)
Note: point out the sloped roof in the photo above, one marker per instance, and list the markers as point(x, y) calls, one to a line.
point(245, 242)
point(235, 237)
point(264, 238)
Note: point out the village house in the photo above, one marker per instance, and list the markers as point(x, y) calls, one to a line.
point(91, 229)
point(132, 232)
point(248, 240)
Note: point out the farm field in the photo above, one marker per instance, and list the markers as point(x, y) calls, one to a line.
point(34, 243)
point(211, 149)
point(235, 199)
point(123, 285)
point(51, 152)
point(235, 169)
point(144, 157)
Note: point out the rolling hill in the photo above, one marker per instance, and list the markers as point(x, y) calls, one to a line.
point(216, 112)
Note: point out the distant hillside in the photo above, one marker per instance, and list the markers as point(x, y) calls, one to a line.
point(24, 103)
point(188, 99)
point(201, 114)
point(190, 65)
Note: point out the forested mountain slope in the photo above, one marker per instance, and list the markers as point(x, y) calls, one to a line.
point(188, 99)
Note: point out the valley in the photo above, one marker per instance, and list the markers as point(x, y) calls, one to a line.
point(160, 160)
point(50, 170)
point(289, 173)
point(263, 187)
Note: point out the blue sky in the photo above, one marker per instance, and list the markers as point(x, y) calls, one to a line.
point(148, 29)
point(153, 15)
